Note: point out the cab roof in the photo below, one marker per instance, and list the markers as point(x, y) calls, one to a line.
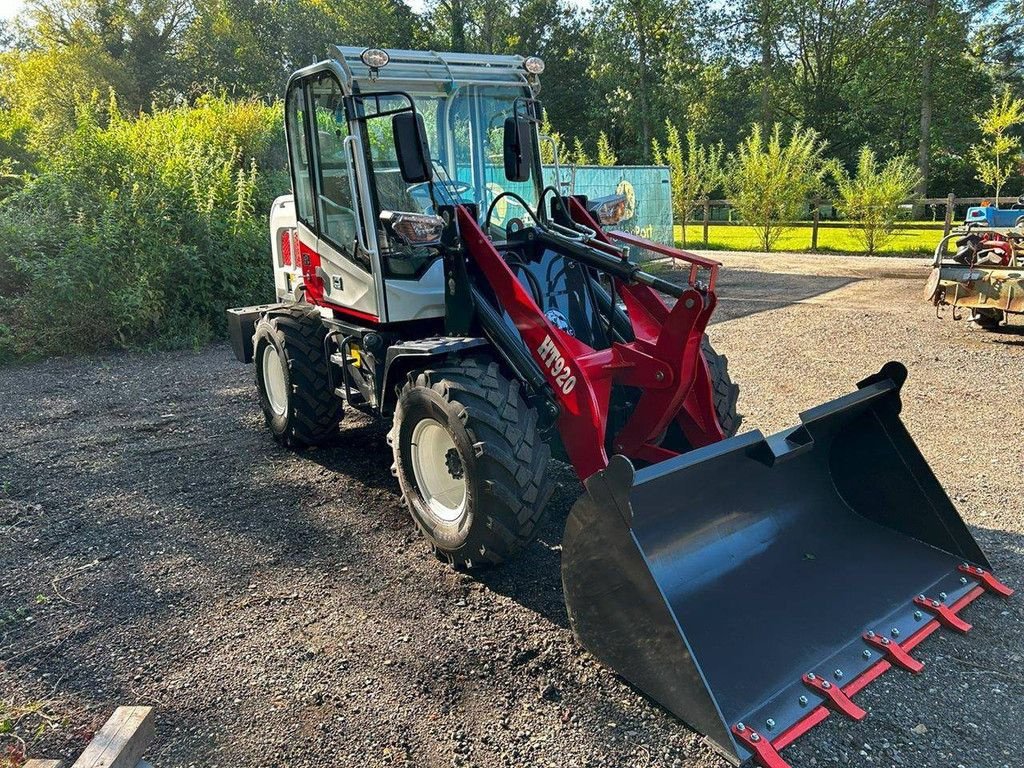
point(421, 70)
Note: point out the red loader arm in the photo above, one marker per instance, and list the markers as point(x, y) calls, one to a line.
point(664, 361)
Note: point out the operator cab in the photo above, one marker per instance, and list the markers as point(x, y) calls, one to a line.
point(381, 143)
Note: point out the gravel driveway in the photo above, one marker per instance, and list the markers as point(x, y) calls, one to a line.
point(280, 610)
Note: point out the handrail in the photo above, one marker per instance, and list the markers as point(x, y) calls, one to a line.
point(349, 144)
point(696, 262)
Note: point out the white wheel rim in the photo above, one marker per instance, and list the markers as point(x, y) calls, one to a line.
point(438, 469)
point(274, 381)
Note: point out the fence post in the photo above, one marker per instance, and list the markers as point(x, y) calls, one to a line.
point(707, 219)
point(948, 224)
point(816, 218)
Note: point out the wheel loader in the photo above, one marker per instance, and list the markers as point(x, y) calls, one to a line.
point(428, 273)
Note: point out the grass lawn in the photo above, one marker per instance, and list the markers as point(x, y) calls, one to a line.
point(734, 237)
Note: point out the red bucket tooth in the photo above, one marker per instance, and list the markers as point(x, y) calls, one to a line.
point(894, 653)
point(835, 698)
point(986, 579)
point(945, 615)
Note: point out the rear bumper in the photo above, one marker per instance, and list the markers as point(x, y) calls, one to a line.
point(242, 326)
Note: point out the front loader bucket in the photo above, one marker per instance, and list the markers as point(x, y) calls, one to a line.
point(751, 587)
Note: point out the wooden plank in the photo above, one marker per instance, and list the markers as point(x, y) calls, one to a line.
point(707, 219)
point(122, 741)
point(44, 764)
point(816, 223)
point(948, 223)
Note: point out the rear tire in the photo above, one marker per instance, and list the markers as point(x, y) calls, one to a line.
point(471, 463)
point(292, 378)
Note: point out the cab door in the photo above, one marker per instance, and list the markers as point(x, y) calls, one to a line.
point(337, 259)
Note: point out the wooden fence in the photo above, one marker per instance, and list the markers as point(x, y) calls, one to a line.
point(949, 203)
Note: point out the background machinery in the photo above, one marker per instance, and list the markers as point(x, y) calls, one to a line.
point(985, 274)
point(427, 275)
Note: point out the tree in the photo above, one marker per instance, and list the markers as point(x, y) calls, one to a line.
point(141, 37)
point(642, 49)
point(695, 171)
point(871, 198)
point(769, 180)
point(995, 156)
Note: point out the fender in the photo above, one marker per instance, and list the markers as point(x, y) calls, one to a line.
point(406, 356)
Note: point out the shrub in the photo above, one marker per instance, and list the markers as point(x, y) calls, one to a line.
point(769, 181)
point(995, 157)
point(872, 197)
point(695, 170)
point(141, 232)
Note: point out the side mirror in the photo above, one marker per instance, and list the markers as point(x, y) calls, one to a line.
point(517, 148)
point(411, 147)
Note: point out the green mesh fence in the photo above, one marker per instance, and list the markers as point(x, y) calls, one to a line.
point(647, 190)
point(646, 187)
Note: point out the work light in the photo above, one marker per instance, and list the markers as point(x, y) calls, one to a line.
point(534, 65)
point(414, 228)
point(375, 58)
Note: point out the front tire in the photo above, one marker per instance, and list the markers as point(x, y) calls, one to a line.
point(471, 463)
point(292, 378)
point(726, 392)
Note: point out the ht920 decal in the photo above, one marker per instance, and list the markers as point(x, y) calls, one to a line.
point(557, 365)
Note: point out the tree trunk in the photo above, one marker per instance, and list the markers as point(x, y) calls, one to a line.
point(924, 140)
point(765, 34)
point(458, 22)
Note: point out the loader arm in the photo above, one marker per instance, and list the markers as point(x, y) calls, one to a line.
point(663, 361)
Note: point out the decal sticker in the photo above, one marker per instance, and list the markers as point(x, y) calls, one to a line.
point(560, 322)
point(557, 366)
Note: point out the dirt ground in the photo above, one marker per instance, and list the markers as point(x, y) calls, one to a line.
point(279, 609)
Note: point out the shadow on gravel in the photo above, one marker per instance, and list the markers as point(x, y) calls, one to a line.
point(748, 292)
point(360, 452)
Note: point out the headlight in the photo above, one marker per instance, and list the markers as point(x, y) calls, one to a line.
point(534, 65)
point(375, 58)
point(608, 210)
point(414, 228)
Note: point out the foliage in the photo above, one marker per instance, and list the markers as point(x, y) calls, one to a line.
point(141, 231)
point(770, 180)
point(999, 151)
point(579, 153)
point(605, 153)
point(871, 198)
point(695, 171)
point(141, 219)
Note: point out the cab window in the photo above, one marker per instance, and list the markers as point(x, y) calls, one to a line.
point(298, 148)
point(335, 205)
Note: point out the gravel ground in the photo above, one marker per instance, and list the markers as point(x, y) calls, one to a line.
point(280, 610)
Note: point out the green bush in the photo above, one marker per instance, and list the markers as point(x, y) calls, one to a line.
point(770, 179)
point(872, 197)
point(140, 232)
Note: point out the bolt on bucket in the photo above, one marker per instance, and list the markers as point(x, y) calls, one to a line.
point(746, 585)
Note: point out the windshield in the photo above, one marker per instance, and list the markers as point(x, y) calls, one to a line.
point(465, 134)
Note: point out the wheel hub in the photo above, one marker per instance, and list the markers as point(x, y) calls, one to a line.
point(438, 470)
point(274, 382)
point(453, 462)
